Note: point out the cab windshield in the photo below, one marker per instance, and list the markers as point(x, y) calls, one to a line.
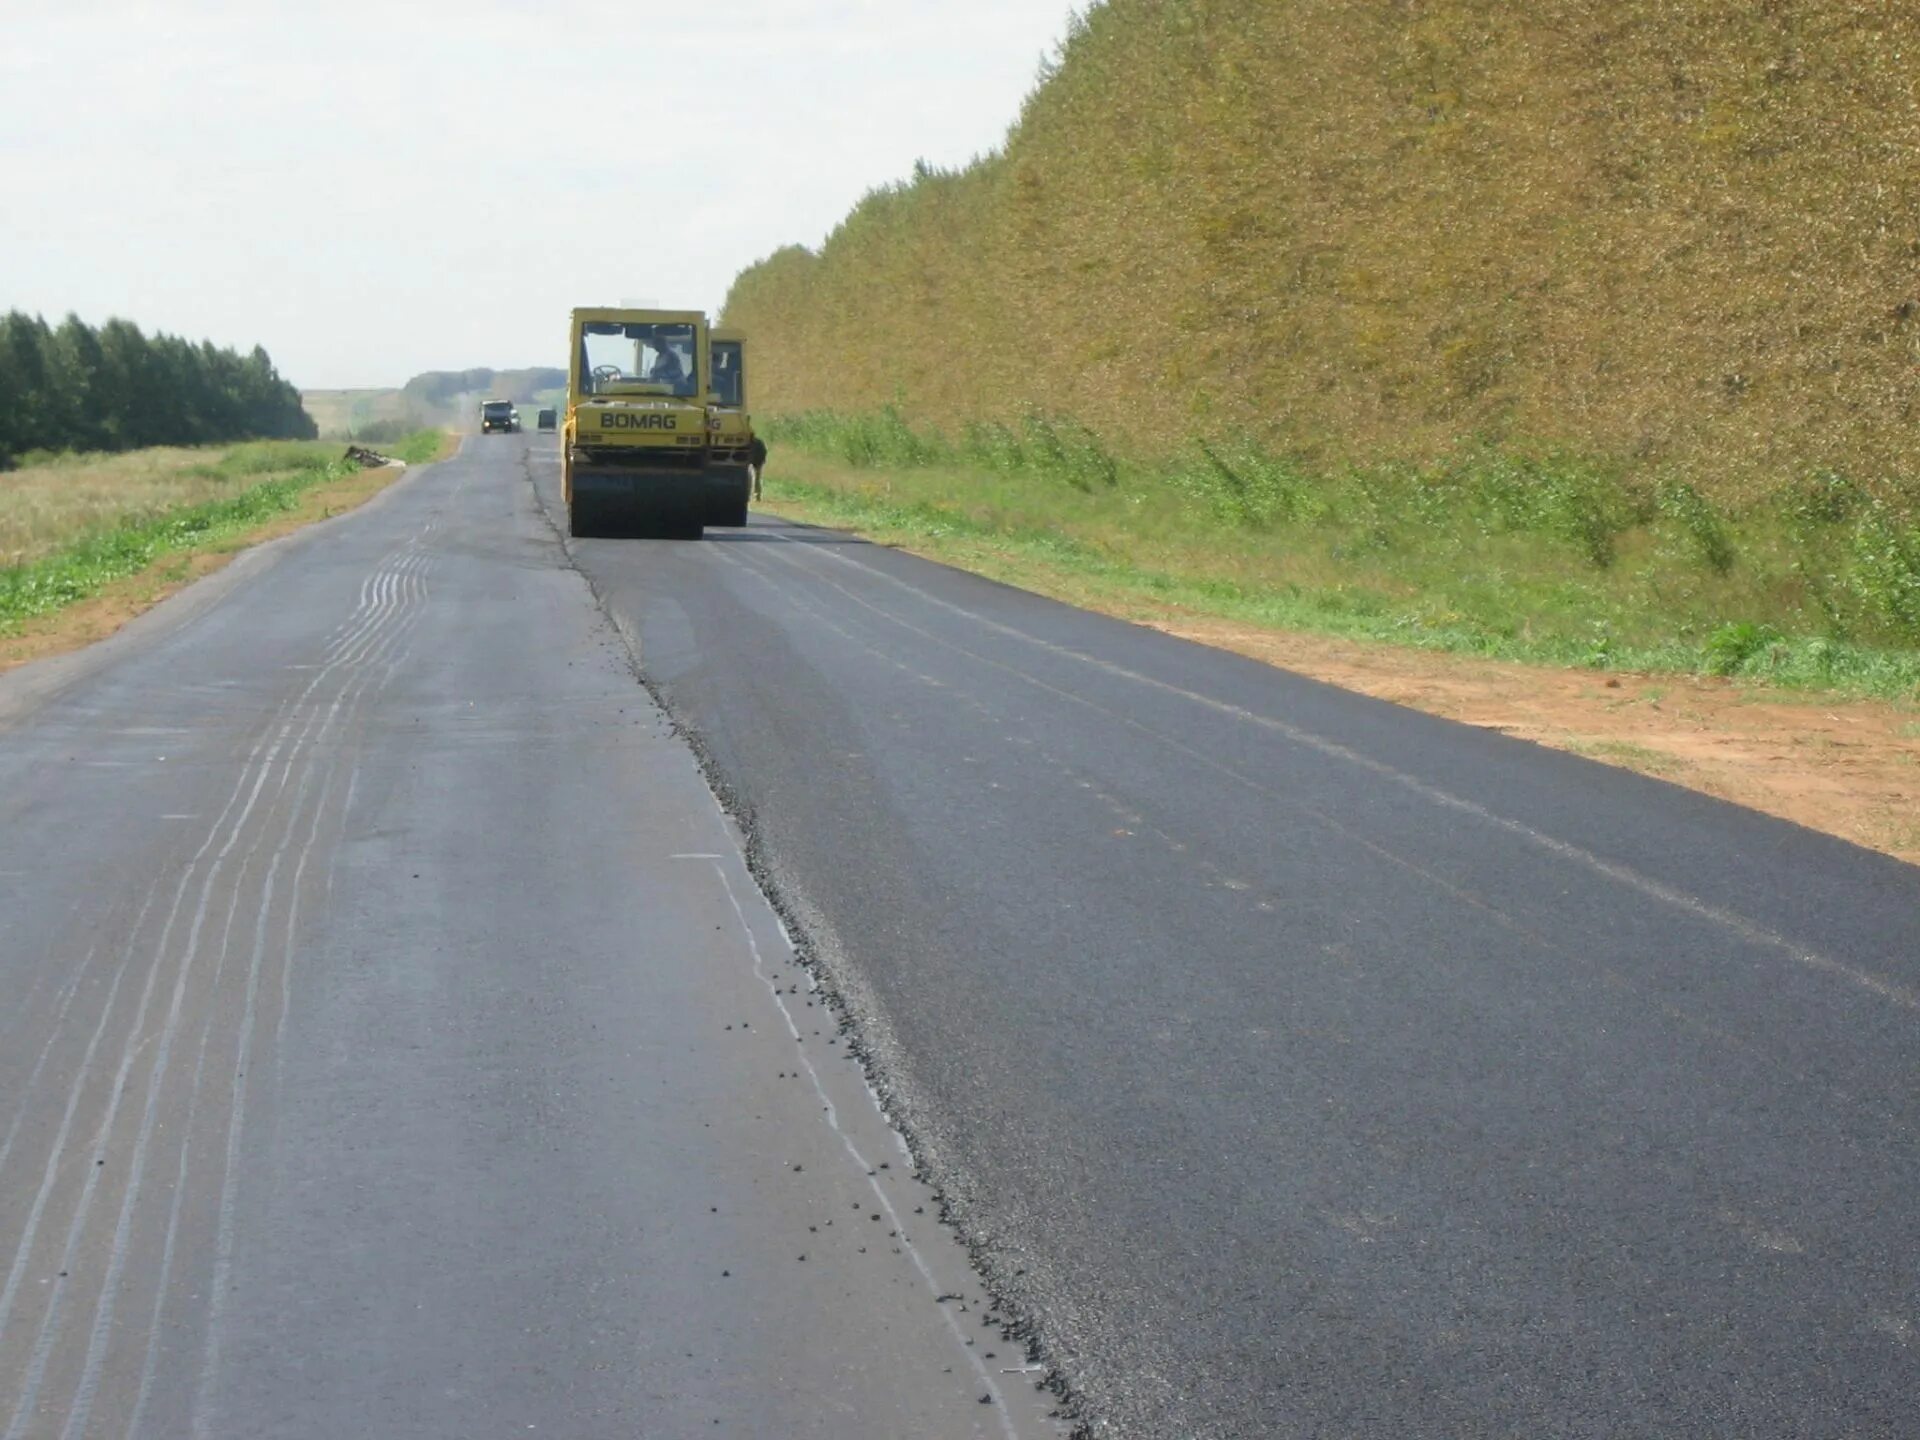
point(638, 359)
point(729, 373)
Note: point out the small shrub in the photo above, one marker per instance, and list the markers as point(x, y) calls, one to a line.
point(1504, 491)
point(1245, 487)
point(1730, 647)
point(1066, 450)
point(1601, 650)
point(1586, 508)
point(1886, 568)
point(1563, 496)
point(1825, 498)
point(1236, 491)
point(993, 445)
point(1697, 520)
point(1053, 447)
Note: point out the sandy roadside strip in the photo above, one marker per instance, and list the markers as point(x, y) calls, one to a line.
point(1848, 767)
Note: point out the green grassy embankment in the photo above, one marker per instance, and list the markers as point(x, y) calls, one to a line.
point(71, 527)
point(1548, 560)
point(1585, 330)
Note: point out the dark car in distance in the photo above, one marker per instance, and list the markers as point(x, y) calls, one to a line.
point(498, 415)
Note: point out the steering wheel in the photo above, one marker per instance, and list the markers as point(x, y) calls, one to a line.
point(606, 372)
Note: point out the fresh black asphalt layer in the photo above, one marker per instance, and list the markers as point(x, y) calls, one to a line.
point(1299, 1064)
point(394, 1042)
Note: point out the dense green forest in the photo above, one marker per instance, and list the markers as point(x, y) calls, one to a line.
point(72, 387)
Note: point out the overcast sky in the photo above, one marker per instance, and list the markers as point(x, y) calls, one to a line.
point(371, 190)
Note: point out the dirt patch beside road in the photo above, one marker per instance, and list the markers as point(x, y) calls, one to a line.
point(1848, 767)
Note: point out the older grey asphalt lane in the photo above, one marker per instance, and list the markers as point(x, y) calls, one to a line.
point(1303, 1065)
point(394, 1043)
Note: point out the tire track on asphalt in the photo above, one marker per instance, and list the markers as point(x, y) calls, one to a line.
point(390, 658)
point(54, 1032)
point(362, 683)
point(49, 1325)
point(381, 599)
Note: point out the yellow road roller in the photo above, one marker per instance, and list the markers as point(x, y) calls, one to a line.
point(636, 451)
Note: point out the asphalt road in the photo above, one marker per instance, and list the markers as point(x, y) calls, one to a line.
point(1303, 1065)
point(399, 1038)
point(394, 1044)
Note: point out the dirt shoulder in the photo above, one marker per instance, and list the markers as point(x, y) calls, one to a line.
point(1848, 767)
point(100, 615)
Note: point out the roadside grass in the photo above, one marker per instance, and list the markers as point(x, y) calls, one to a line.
point(1629, 756)
point(1546, 558)
point(73, 526)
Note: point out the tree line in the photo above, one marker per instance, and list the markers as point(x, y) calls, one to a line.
point(72, 387)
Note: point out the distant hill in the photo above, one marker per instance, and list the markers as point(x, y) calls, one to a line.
point(1679, 233)
point(444, 387)
point(347, 414)
point(434, 399)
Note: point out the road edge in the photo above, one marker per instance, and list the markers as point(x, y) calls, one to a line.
point(860, 1023)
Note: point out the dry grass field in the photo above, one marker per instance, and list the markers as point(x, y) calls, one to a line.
point(48, 506)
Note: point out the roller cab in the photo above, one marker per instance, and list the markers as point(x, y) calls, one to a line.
point(636, 453)
point(729, 426)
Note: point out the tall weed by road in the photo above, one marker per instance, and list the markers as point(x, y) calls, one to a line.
point(1041, 446)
